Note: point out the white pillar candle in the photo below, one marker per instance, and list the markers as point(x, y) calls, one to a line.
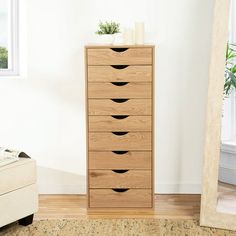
point(128, 36)
point(139, 33)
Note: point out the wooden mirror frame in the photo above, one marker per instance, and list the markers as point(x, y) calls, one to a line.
point(209, 216)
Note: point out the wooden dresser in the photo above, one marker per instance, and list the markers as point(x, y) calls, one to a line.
point(120, 126)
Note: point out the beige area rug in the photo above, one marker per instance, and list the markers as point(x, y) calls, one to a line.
point(113, 227)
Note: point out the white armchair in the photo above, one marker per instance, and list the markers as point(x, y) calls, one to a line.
point(18, 192)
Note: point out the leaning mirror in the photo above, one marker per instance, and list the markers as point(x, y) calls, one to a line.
point(218, 203)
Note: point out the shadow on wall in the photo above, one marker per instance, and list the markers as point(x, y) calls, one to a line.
point(52, 181)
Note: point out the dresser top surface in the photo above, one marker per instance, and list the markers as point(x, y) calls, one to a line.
point(119, 46)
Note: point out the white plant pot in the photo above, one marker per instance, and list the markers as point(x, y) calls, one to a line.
point(106, 38)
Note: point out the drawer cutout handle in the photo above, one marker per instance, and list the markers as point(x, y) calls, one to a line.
point(118, 100)
point(120, 152)
point(120, 171)
point(119, 67)
point(119, 49)
point(120, 133)
point(120, 190)
point(119, 83)
point(121, 117)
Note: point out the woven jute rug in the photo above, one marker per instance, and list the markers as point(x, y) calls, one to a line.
point(113, 227)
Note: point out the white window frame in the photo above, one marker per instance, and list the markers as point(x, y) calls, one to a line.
point(13, 52)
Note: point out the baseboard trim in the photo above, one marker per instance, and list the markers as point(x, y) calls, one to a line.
point(188, 188)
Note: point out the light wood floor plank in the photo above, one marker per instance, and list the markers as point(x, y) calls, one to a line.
point(74, 206)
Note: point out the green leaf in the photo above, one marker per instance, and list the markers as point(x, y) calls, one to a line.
point(230, 69)
point(3, 58)
point(108, 28)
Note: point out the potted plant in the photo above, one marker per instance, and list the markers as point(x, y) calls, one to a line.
point(107, 31)
point(230, 70)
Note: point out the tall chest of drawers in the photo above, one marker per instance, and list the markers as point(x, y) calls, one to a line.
point(120, 135)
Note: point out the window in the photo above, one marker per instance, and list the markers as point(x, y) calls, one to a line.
point(229, 109)
point(9, 55)
point(229, 119)
point(233, 113)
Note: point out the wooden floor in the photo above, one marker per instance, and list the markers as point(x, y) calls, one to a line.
point(226, 198)
point(74, 207)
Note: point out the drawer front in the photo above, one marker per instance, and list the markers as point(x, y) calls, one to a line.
point(120, 123)
point(120, 160)
point(122, 74)
point(142, 107)
point(129, 198)
point(120, 178)
point(130, 141)
point(108, 56)
point(9, 175)
point(119, 90)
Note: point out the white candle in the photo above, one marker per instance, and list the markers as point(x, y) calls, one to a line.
point(139, 33)
point(128, 36)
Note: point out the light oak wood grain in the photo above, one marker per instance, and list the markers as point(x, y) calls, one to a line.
point(131, 123)
point(99, 46)
point(131, 198)
point(129, 160)
point(128, 74)
point(132, 141)
point(130, 90)
point(111, 179)
point(133, 66)
point(154, 154)
point(132, 56)
point(142, 107)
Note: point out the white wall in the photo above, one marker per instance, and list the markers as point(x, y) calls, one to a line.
point(44, 114)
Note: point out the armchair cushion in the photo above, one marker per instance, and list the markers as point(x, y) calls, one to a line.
point(18, 191)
